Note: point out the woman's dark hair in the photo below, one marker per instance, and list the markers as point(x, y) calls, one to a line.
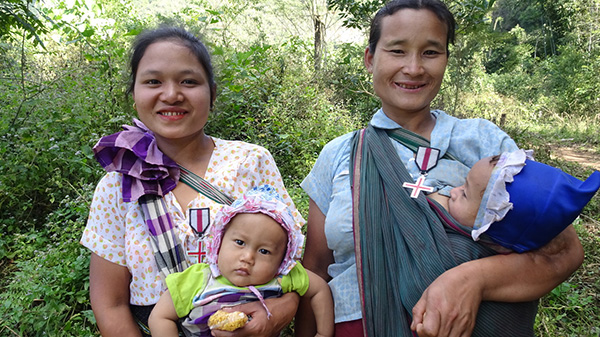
point(435, 6)
point(177, 35)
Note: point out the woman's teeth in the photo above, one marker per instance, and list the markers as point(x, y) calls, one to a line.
point(408, 86)
point(171, 113)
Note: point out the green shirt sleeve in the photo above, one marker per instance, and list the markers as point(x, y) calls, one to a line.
point(185, 285)
point(296, 280)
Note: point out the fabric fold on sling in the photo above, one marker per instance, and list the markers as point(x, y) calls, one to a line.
point(134, 153)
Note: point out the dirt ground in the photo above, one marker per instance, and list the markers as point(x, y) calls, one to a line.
point(586, 158)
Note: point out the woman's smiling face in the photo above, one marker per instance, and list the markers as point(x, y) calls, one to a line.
point(409, 61)
point(171, 91)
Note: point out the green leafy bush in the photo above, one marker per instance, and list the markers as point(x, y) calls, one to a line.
point(47, 292)
point(47, 137)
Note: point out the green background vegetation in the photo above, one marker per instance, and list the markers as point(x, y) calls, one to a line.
point(290, 78)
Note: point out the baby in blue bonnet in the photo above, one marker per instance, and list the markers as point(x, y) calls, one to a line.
point(517, 202)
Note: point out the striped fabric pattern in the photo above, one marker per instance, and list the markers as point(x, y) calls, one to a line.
point(196, 323)
point(202, 186)
point(168, 252)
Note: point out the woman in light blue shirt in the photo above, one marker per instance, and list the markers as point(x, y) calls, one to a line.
point(407, 56)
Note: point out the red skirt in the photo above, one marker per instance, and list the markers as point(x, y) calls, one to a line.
point(349, 329)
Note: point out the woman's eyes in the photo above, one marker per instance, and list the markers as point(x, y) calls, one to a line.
point(426, 53)
point(431, 52)
point(187, 82)
point(190, 82)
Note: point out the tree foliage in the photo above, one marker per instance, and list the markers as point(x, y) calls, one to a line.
point(356, 14)
point(21, 15)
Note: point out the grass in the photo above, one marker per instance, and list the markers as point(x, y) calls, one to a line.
point(573, 308)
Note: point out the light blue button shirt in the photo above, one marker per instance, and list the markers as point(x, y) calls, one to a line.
point(328, 185)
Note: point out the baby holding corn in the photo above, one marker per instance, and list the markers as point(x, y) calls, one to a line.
point(253, 248)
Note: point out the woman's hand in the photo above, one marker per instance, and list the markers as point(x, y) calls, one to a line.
point(448, 307)
point(109, 296)
point(282, 309)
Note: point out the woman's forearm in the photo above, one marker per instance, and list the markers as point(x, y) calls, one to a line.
point(317, 258)
point(116, 321)
point(109, 296)
point(528, 276)
point(451, 302)
point(282, 309)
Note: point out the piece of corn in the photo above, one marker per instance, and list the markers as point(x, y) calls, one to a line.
point(227, 321)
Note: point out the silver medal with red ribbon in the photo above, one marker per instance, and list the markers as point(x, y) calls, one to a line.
point(199, 220)
point(426, 159)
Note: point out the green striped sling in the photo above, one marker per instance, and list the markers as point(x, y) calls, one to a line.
point(402, 245)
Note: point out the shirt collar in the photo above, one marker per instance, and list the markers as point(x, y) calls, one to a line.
point(382, 121)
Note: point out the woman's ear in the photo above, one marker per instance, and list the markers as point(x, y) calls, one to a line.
point(213, 95)
point(368, 59)
point(134, 106)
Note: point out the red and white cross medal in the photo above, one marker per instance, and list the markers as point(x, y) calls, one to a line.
point(426, 159)
point(199, 221)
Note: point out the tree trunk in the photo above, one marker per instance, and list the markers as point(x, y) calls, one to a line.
point(319, 42)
